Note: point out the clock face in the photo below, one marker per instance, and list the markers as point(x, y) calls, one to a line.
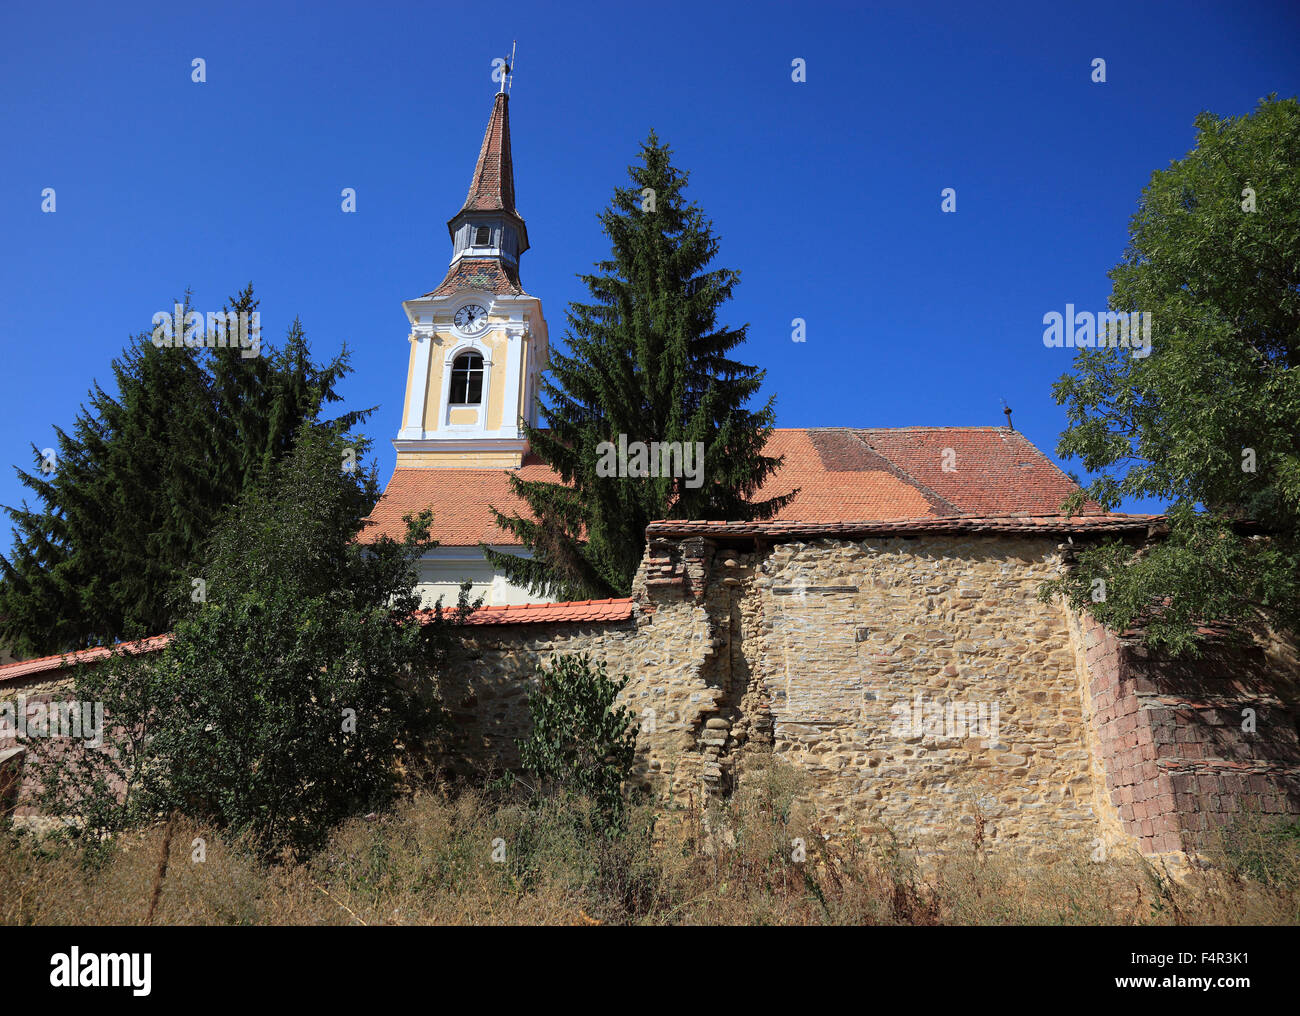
point(471, 319)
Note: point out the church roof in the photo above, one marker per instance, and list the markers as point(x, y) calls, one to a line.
point(843, 474)
point(492, 188)
point(486, 274)
point(490, 203)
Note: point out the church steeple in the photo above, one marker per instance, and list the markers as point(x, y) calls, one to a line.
point(493, 185)
point(478, 341)
point(488, 227)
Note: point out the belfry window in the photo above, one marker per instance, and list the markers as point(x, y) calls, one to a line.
point(467, 380)
point(482, 236)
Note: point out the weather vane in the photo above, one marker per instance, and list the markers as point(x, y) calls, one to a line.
point(507, 72)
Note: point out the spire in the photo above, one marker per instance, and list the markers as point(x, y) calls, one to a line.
point(489, 208)
point(493, 187)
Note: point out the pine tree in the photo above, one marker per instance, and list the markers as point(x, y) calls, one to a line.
point(132, 492)
point(648, 361)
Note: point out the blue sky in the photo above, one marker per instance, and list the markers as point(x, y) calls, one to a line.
point(826, 194)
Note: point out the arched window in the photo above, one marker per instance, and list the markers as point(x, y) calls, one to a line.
point(467, 380)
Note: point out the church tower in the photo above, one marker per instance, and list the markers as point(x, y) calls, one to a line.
point(478, 341)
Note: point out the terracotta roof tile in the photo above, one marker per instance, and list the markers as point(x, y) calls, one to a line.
point(486, 274)
point(61, 661)
point(523, 613)
point(1047, 524)
point(842, 474)
point(493, 185)
point(460, 499)
point(994, 469)
point(554, 613)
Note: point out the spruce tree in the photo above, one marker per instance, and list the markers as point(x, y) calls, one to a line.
point(649, 362)
point(133, 490)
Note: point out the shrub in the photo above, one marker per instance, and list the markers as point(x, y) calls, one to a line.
point(291, 690)
point(581, 742)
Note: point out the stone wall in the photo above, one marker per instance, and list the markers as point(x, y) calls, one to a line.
point(918, 681)
point(663, 652)
point(18, 782)
point(861, 637)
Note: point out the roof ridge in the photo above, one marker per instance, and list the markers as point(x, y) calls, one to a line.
point(1077, 521)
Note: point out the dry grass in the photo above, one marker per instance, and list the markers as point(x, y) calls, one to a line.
point(471, 859)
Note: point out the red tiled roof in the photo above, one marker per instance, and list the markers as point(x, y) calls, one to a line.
point(842, 473)
point(492, 188)
point(554, 613)
point(996, 470)
point(459, 499)
point(1048, 524)
point(60, 661)
point(522, 613)
point(839, 477)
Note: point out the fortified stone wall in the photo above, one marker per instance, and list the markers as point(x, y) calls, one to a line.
point(920, 683)
point(916, 678)
point(490, 675)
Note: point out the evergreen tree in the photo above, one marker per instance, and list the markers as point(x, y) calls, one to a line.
point(287, 696)
point(648, 362)
point(132, 492)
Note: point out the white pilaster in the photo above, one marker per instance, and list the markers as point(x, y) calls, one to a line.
point(516, 331)
point(414, 429)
